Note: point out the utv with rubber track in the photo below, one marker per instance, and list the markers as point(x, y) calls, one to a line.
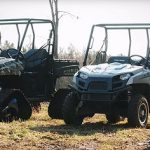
point(115, 85)
point(28, 74)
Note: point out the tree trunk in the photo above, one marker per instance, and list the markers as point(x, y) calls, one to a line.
point(56, 29)
point(55, 19)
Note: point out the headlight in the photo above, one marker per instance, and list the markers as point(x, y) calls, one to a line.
point(125, 76)
point(83, 75)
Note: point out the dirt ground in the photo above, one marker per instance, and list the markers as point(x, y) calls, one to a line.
point(40, 132)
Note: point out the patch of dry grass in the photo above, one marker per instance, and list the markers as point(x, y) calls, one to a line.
point(40, 132)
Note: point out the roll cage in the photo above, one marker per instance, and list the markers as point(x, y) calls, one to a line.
point(129, 27)
point(30, 22)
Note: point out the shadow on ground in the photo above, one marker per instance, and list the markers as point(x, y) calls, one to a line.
point(85, 129)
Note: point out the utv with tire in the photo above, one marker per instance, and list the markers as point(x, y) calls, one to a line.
point(28, 78)
point(115, 85)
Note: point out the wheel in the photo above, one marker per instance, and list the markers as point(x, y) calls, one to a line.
point(113, 118)
point(15, 106)
point(10, 111)
point(25, 110)
point(138, 111)
point(55, 106)
point(70, 109)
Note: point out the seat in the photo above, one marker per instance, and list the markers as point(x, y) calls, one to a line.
point(34, 58)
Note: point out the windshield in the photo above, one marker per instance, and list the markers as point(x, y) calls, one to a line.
point(107, 42)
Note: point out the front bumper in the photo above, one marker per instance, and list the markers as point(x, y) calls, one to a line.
point(104, 96)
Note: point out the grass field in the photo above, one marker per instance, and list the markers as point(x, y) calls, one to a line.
point(40, 132)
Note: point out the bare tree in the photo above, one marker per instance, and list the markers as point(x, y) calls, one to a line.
point(7, 45)
point(56, 16)
point(55, 19)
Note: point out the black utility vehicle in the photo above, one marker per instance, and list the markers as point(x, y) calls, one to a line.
point(30, 77)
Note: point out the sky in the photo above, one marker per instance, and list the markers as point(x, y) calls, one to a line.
point(75, 29)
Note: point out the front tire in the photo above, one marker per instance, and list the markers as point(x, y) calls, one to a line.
point(138, 111)
point(55, 106)
point(113, 118)
point(70, 110)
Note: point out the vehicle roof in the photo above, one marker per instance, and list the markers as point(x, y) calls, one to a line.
point(125, 26)
point(24, 21)
point(27, 22)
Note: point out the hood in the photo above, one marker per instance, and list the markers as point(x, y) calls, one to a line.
point(111, 69)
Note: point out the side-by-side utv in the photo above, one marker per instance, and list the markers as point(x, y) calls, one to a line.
point(115, 85)
point(28, 75)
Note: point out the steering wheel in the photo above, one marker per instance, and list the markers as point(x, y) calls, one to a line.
point(13, 53)
point(137, 62)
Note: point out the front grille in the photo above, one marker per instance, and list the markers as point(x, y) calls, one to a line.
point(96, 97)
point(98, 85)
